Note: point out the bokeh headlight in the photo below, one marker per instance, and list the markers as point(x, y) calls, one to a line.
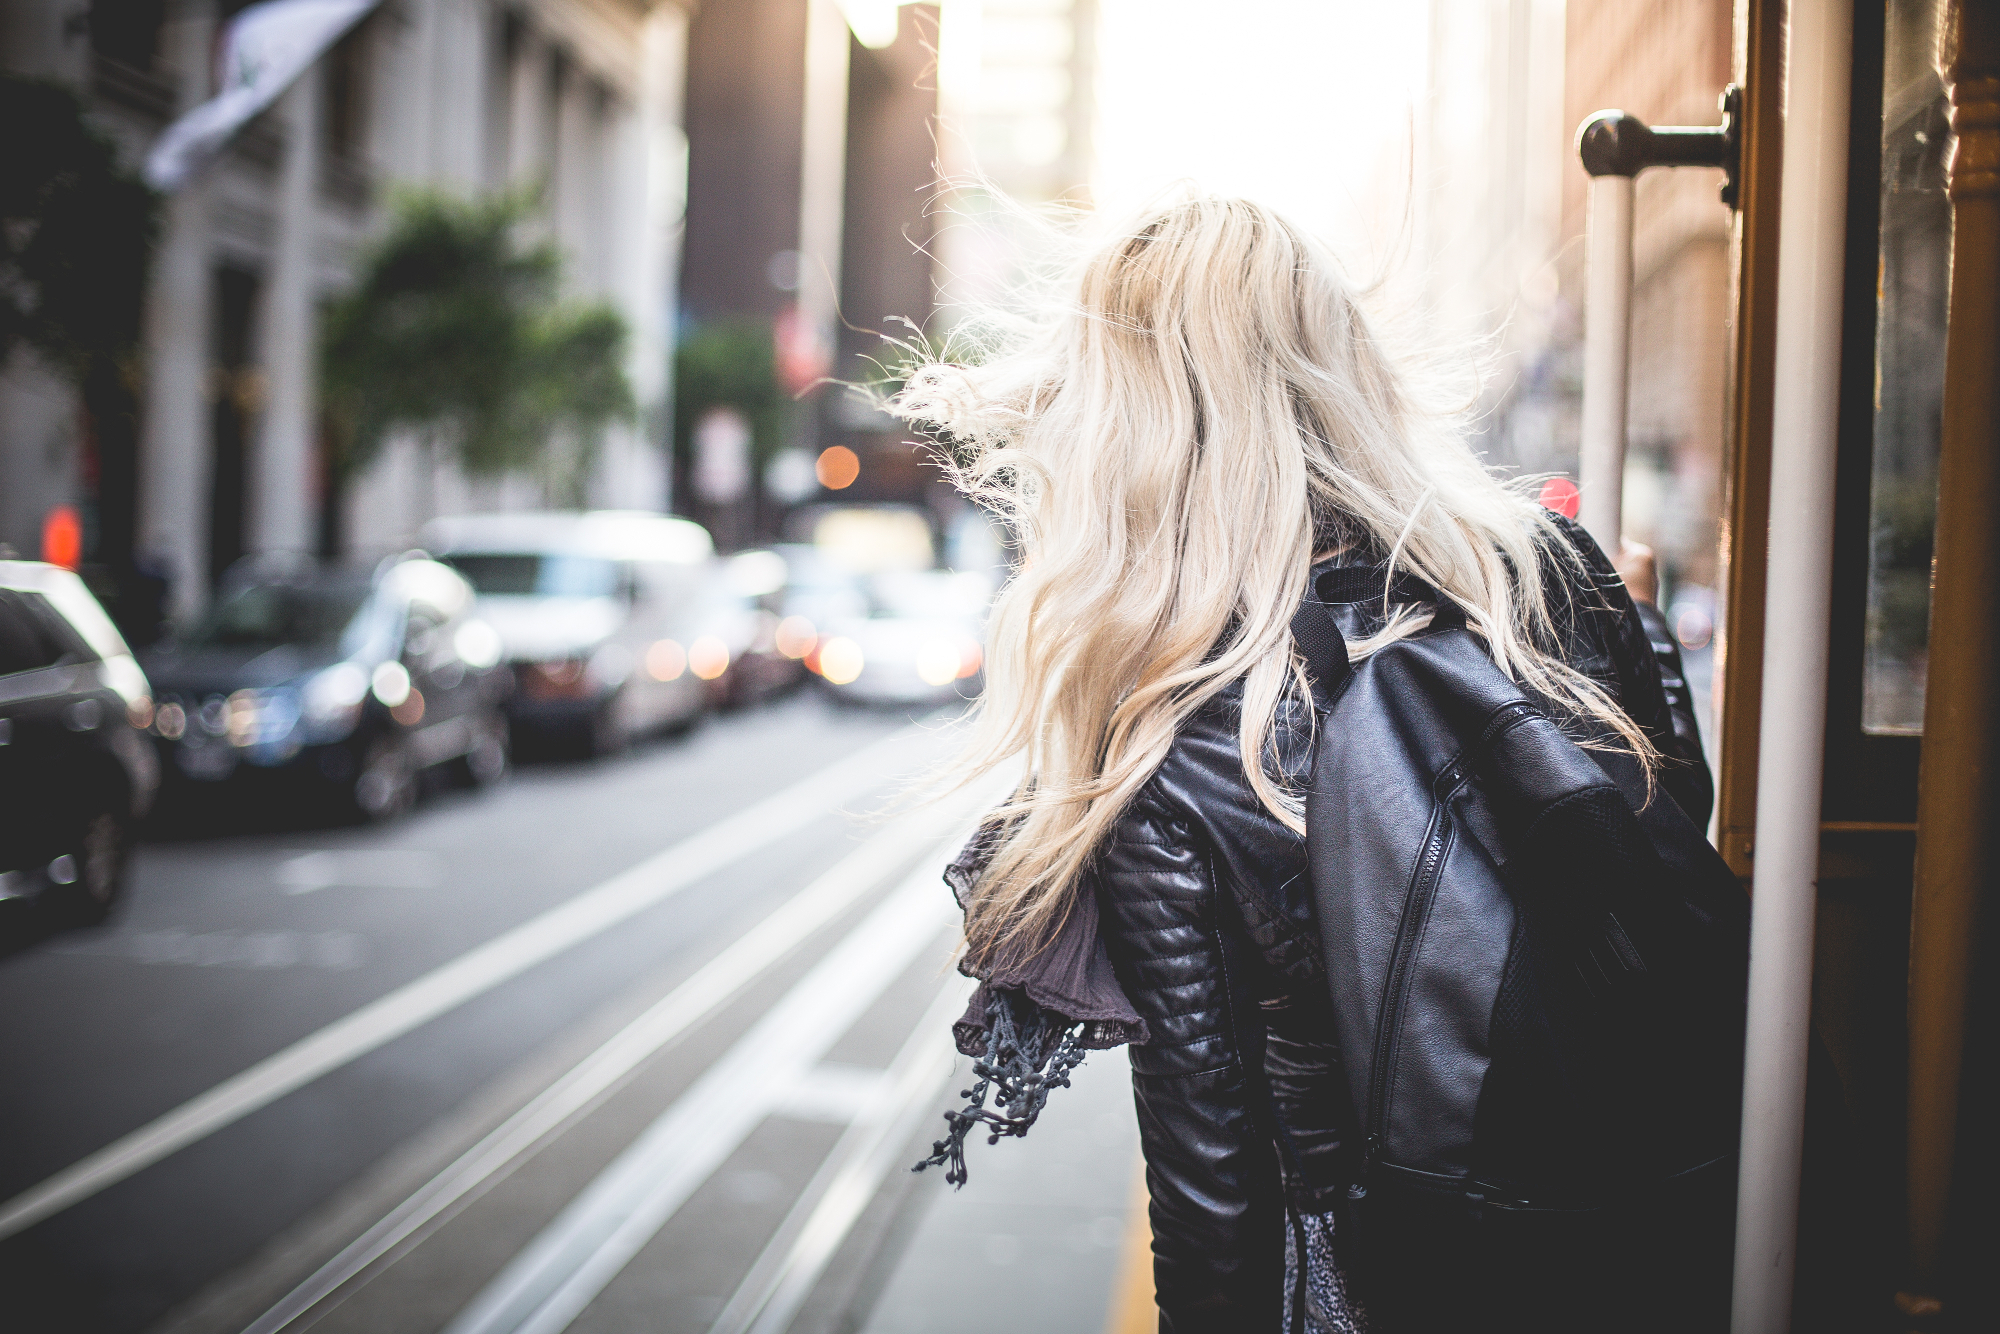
point(170, 720)
point(666, 660)
point(477, 644)
point(262, 719)
point(391, 683)
point(840, 660)
point(971, 657)
point(796, 636)
point(937, 662)
point(708, 657)
point(331, 701)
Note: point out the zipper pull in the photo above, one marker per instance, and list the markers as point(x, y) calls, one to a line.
point(1357, 1193)
point(1370, 1148)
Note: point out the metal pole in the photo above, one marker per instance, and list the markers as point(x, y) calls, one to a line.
point(1791, 738)
point(1614, 149)
point(1607, 342)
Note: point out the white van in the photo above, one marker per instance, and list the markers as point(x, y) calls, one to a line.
point(599, 613)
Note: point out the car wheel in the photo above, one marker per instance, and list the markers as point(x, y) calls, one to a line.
point(489, 759)
point(92, 877)
point(386, 787)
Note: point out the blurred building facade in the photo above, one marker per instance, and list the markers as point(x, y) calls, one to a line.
point(888, 288)
point(1500, 232)
point(1490, 156)
point(1666, 63)
point(1019, 138)
point(466, 96)
point(812, 146)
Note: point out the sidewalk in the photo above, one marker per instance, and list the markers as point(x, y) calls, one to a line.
point(1046, 1233)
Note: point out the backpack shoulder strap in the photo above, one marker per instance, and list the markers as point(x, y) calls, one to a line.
point(1319, 641)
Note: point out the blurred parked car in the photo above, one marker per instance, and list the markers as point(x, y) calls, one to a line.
point(76, 772)
point(603, 617)
point(744, 609)
point(818, 589)
point(921, 641)
point(867, 538)
point(354, 681)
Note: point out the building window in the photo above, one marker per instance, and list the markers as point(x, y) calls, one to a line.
point(346, 84)
point(127, 31)
point(1915, 281)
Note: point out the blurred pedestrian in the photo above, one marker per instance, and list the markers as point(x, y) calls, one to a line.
point(1209, 423)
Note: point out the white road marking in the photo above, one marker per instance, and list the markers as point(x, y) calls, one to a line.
point(781, 1279)
point(834, 1094)
point(228, 949)
point(558, 1274)
point(472, 974)
point(582, 1087)
point(361, 868)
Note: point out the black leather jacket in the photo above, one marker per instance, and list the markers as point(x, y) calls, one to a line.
point(1207, 914)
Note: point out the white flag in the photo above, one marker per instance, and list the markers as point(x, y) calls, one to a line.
point(264, 48)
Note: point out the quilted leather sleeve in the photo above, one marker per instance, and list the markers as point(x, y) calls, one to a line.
point(1218, 1243)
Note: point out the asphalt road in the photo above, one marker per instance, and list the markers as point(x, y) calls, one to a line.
point(643, 1043)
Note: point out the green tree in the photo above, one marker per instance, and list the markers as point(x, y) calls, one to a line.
point(455, 331)
point(76, 238)
point(76, 232)
point(731, 363)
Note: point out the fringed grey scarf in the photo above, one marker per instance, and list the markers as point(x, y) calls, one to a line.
point(1030, 1022)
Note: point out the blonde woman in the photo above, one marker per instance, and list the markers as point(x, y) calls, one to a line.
point(1206, 425)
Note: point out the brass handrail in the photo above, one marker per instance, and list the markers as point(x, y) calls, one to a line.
point(1956, 782)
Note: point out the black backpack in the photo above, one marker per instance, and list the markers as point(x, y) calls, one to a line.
point(1538, 969)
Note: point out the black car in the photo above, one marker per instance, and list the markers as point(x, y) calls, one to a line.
point(348, 683)
point(76, 772)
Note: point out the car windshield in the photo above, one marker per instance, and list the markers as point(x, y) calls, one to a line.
point(537, 575)
point(265, 615)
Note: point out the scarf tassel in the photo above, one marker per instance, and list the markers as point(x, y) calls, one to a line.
point(1029, 1053)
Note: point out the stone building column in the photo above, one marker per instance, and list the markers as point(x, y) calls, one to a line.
point(823, 171)
point(527, 98)
point(644, 187)
point(571, 207)
point(174, 443)
point(281, 471)
point(655, 299)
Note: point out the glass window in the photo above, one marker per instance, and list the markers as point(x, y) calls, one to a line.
point(28, 636)
point(1913, 284)
point(266, 615)
point(546, 576)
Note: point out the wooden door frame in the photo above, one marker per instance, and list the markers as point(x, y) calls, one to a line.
point(1758, 61)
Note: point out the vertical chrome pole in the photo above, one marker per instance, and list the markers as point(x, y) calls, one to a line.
point(1805, 420)
point(1607, 343)
point(1614, 149)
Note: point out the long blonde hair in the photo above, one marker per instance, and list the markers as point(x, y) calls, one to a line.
point(1169, 449)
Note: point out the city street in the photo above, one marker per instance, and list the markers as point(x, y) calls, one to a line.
point(643, 1043)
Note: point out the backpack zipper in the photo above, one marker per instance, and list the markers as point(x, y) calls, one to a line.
point(1416, 910)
